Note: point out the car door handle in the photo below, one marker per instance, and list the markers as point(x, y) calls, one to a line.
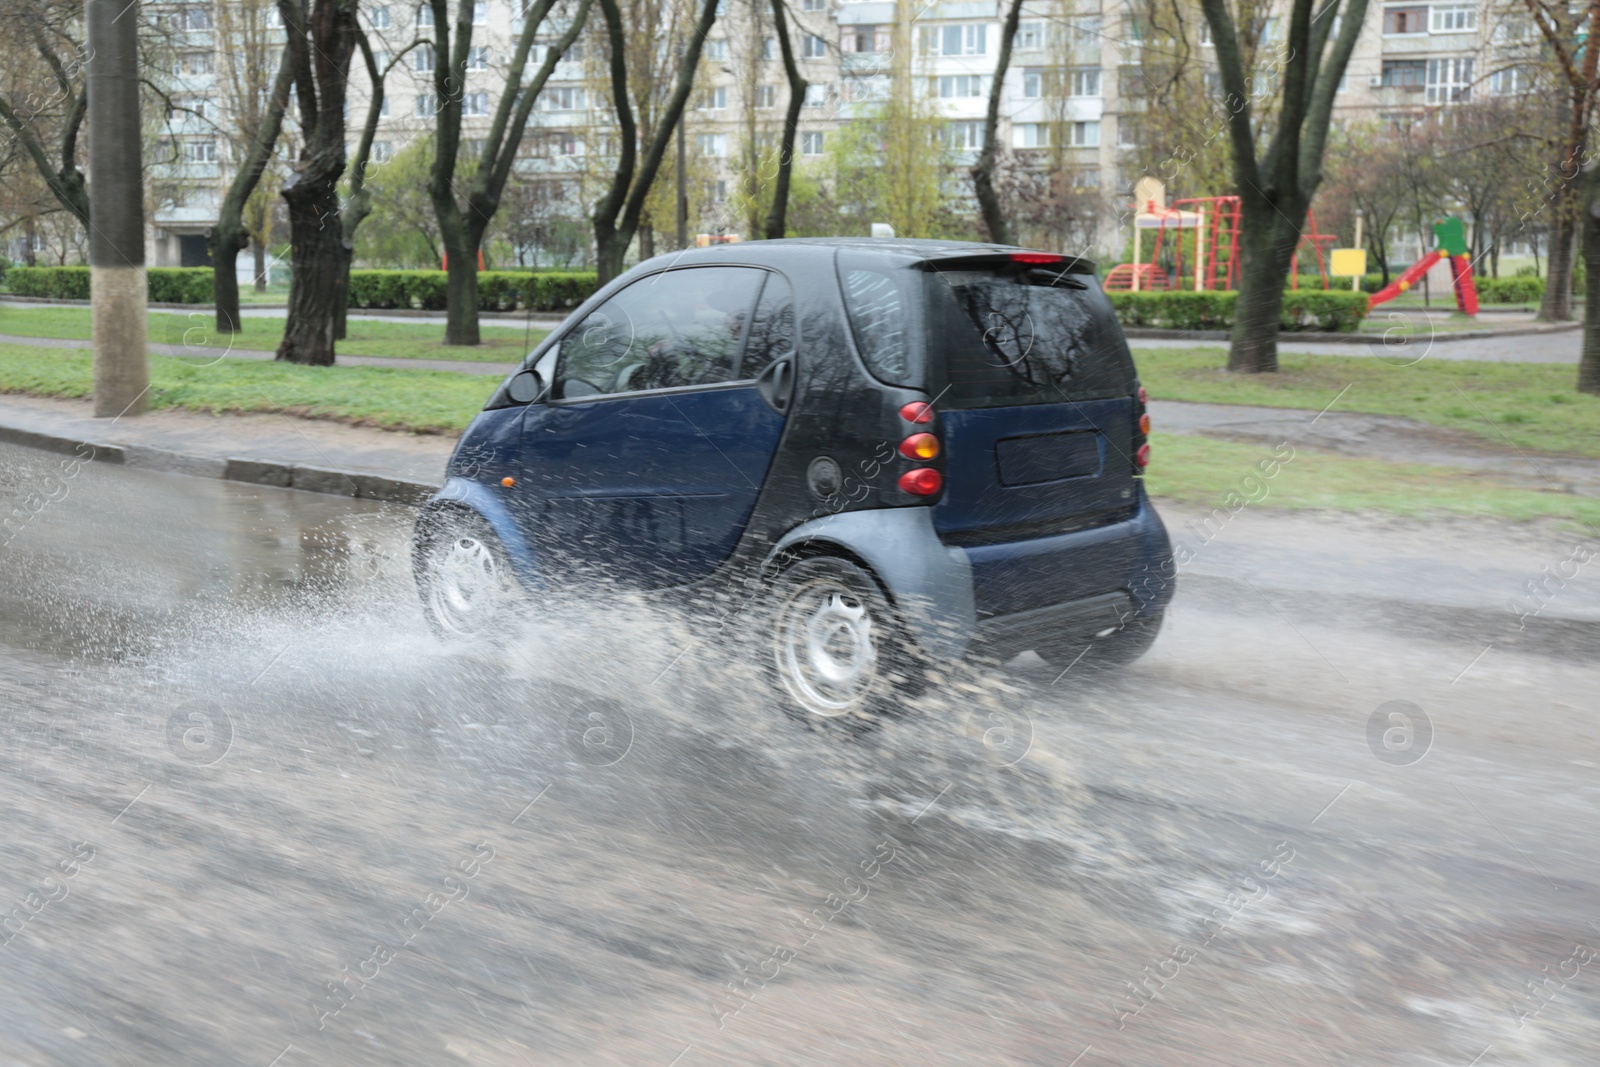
point(776, 384)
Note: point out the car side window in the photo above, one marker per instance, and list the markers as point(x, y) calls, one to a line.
point(772, 330)
point(676, 328)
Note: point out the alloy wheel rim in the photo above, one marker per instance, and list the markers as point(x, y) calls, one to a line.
point(466, 585)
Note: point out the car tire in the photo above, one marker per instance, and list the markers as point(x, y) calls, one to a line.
point(463, 576)
point(836, 654)
point(1115, 649)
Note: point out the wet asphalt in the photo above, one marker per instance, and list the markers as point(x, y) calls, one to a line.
point(1344, 812)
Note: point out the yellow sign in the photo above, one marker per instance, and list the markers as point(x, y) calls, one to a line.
point(1348, 262)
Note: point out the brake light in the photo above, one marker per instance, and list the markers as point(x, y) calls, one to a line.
point(1144, 397)
point(1144, 423)
point(920, 446)
point(1036, 257)
point(1142, 457)
point(924, 481)
point(919, 412)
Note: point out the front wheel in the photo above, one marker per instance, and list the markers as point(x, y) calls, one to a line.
point(463, 576)
point(837, 652)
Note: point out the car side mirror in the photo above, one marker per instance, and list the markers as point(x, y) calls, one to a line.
point(525, 387)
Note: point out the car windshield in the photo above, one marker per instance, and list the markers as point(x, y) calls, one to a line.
point(1024, 336)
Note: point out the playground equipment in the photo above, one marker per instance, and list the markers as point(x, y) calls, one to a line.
point(1451, 235)
point(1215, 220)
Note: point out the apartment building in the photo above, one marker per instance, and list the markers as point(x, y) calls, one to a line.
point(1071, 98)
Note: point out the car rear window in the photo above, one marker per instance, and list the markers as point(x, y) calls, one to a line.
point(1001, 337)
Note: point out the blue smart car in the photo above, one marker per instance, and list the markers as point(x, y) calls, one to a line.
point(863, 455)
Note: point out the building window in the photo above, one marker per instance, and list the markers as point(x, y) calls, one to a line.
point(1131, 83)
point(965, 136)
point(712, 144)
point(199, 151)
point(867, 39)
point(814, 5)
point(477, 59)
point(377, 18)
point(1030, 36)
point(194, 63)
point(1083, 134)
point(714, 99)
point(1409, 74)
point(816, 94)
point(716, 48)
point(956, 86)
point(1405, 20)
point(196, 18)
point(475, 104)
point(1511, 81)
point(1513, 29)
point(382, 151)
point(1086, 81)
point(1205, 34)
point(813, 47)
point(566, 144)
point(811, 142)
point(564, 98)
point(769, 48)
point(424, 15)
point(1030, 135)
point(480, 13)
point(1085, 31)
point(1453, 18)
point(1086, 178)
point(1450, 80)
point(422, 58)
point(427, 105)
point(1033, 84)
point(383, 107)
point(766, 97)
point(861, 90)
point(965, 39)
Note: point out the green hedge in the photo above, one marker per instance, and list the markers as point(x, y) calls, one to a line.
point(1325, 310)
point(166, 285)
point(1510, 290)
point(497, 290)
point(425, 289)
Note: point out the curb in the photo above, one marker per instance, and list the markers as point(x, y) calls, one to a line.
point(1287, 338)
point(361, 485)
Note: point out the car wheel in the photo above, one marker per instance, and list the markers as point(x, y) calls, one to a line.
point(1116, 649)
point(463, 576)
point(837, 654)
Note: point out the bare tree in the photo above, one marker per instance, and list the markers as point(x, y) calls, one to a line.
point(777, 215)
point(994, 219)
point(1275, 187)
point(43, 96)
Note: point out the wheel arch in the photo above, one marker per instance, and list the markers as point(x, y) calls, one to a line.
point(464, 498)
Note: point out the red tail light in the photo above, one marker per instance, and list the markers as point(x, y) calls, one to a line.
point(924, 481)
point(920, 446)
point(1144, 397)
point(1141, 457)
point(1036, 257)
point(918, 412)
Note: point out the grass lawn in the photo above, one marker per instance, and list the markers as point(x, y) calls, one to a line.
point(394, 339)
point(1533, 405)
point(393, 398)
point(1199, 470)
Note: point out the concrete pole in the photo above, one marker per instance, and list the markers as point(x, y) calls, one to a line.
point(116, 210)
point(1355, 282)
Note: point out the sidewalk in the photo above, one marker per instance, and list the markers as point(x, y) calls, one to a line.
point(279, 450)
point(204, 355)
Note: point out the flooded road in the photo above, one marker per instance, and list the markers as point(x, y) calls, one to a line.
point(253, 812)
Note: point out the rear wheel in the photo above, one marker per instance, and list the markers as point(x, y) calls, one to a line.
point(837, 653)
point(463, 576)
point(1115, 649)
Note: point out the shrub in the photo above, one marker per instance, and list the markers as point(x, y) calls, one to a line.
point(382, 289)
point(50, 283)
point(427, 289)
point(1326, 310)
point(181, 285)
point(1517, 290)
point(165, 285)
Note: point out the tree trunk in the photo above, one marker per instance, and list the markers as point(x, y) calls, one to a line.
point(316, 264)
point(1556, 306)
point(1589, 361)
point(341, 314)
point(777, 215)
point(989, 208)
point(461, 287)
point(225, 286)
point(1265, 249)
point(259, 252)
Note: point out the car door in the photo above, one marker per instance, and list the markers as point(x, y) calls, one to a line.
point(646, 459)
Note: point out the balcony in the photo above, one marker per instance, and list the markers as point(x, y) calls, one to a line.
point(854, 61)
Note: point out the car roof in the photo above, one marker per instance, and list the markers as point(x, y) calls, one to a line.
point(910, 250)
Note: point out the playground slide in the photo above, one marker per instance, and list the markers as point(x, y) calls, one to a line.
point(1452, 237)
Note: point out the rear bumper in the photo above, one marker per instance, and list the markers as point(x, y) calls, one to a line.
point(1006, 635)
point(1131, 559)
